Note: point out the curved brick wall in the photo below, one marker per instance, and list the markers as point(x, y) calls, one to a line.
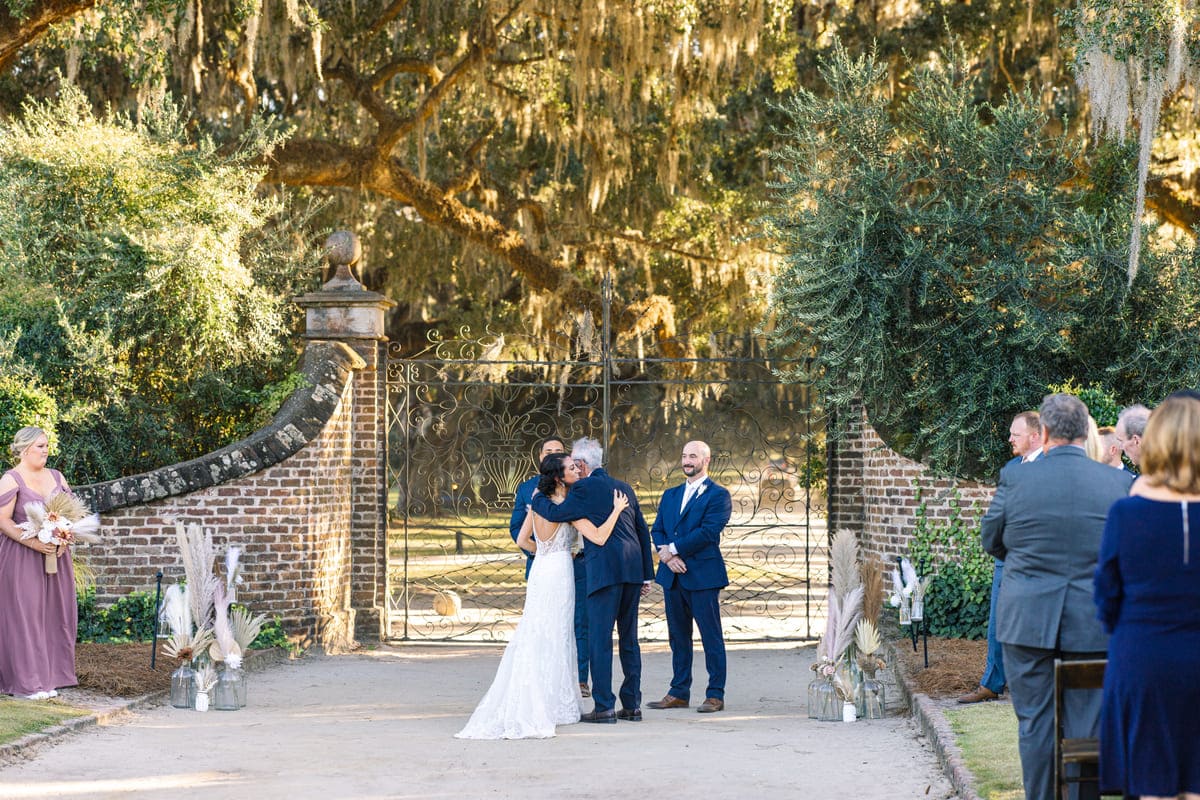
point(285, 495)
point(873, 490)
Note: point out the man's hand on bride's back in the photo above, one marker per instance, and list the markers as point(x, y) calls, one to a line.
point(620, 501)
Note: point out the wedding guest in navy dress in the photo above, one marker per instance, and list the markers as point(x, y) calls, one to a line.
point(1147, 590)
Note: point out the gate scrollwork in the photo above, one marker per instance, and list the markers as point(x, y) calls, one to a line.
point(463, 428)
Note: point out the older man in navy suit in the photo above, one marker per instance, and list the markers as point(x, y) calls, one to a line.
point(618, 574)
point(687, 533)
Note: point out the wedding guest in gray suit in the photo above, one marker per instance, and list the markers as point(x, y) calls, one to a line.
point(1045, 522)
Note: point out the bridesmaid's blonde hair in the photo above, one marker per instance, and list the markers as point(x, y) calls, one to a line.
point(24, 438)
point(1171, 446)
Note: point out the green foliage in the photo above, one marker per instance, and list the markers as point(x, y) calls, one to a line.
point(144, 283)
point(1099, 400)
point(273, 635)
point(23, 402)
point(958, 600)
point(130, 619)
point(948, 260)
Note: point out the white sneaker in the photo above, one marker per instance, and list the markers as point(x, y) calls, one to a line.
point(52, 693)
point(37, 696)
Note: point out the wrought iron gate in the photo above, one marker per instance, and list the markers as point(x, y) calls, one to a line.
point(463, 431)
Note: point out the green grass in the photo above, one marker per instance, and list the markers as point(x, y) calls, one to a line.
point(987, 735)
point(19, 717)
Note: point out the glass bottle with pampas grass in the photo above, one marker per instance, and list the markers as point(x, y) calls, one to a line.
point(869, 697)
point(233, 631)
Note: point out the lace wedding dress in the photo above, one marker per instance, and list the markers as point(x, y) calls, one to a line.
point(536, 686)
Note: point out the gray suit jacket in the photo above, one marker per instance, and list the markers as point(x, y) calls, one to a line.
point(1045, 521)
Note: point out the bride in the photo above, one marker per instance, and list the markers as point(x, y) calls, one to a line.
point(536, 686)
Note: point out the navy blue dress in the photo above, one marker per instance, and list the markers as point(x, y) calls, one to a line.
point(1148, 596)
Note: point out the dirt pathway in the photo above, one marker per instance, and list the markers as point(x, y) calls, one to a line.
point(380, 724)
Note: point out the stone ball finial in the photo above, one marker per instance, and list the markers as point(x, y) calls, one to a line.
point(343, 250)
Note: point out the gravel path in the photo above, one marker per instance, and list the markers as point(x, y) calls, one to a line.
point(381, 723)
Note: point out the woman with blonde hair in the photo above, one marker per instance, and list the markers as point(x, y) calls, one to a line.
point(1147, 591)
point(38, 614)
point(1094, 446)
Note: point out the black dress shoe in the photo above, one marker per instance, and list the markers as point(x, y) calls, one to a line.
point(603, 717)
point(630, 714)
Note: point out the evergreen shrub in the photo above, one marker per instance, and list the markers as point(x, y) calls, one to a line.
point(958, 600)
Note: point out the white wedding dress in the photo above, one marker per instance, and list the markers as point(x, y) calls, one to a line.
point(536, 686)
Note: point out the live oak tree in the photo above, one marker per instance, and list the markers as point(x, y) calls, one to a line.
point(498, 156)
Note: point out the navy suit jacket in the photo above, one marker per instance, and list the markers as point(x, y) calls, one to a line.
point(696, 535)
point(625, 557)
point(519, 512)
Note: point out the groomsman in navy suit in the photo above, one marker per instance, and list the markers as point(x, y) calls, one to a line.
point(687, 533)
point(618, 575)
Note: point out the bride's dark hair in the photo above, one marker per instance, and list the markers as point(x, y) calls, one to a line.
point(552, 471)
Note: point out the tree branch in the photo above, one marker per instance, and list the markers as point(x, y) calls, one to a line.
point(16, 32)
point(666, 247)
point(1180, 212)
point(389, 14)
point(417, 66)
point(362, 91)
point(318, 163)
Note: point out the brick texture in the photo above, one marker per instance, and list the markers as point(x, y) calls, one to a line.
point(305, 539)
point(873, 490)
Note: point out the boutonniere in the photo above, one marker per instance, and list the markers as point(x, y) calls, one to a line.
point(701, 489)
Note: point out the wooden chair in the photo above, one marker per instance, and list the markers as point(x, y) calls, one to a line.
point(1068, 676)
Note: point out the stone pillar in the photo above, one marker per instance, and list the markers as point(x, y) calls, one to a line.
point(345, 311)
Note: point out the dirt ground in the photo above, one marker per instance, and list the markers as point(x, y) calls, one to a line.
point(381, 723)
point(955, 665)
point(122, 670)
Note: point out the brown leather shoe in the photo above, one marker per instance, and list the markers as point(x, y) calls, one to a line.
point(630, 714)
point(584, 691)
point(710, 705)
point(978, 696)
point(668, 702)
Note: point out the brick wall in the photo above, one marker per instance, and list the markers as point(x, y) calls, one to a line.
point(368, 518)
point(873, 489)
point(286, 495)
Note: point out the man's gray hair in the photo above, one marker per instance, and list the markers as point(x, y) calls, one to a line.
point(1133, 418)
point(589, 451)
point(1064, 416)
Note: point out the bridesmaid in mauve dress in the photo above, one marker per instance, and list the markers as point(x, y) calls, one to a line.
point(38, 614)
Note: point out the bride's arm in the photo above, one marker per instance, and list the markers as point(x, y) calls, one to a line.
point(600, 535)
point(525, 539)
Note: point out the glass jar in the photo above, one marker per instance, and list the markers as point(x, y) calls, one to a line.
point(230, 692)
point(869, 698)
point(183, 686)
point(829, 705)
point(814, 700)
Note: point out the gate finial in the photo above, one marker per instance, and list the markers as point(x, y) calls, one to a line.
point(343, 250)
